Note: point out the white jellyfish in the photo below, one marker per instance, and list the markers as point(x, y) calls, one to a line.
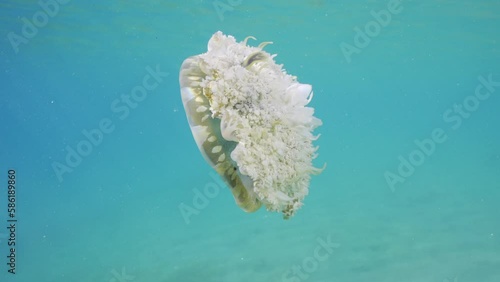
point(250, 121)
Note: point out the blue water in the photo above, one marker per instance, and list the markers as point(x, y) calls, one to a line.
point(114, 215)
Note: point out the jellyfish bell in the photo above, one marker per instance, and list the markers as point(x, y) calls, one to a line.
point(250, 122)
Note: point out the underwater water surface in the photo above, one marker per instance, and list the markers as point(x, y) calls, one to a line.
point(115, 190)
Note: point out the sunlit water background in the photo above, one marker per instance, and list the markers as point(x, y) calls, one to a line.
point(116, 217)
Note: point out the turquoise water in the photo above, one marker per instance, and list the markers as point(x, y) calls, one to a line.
point(387, 104)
